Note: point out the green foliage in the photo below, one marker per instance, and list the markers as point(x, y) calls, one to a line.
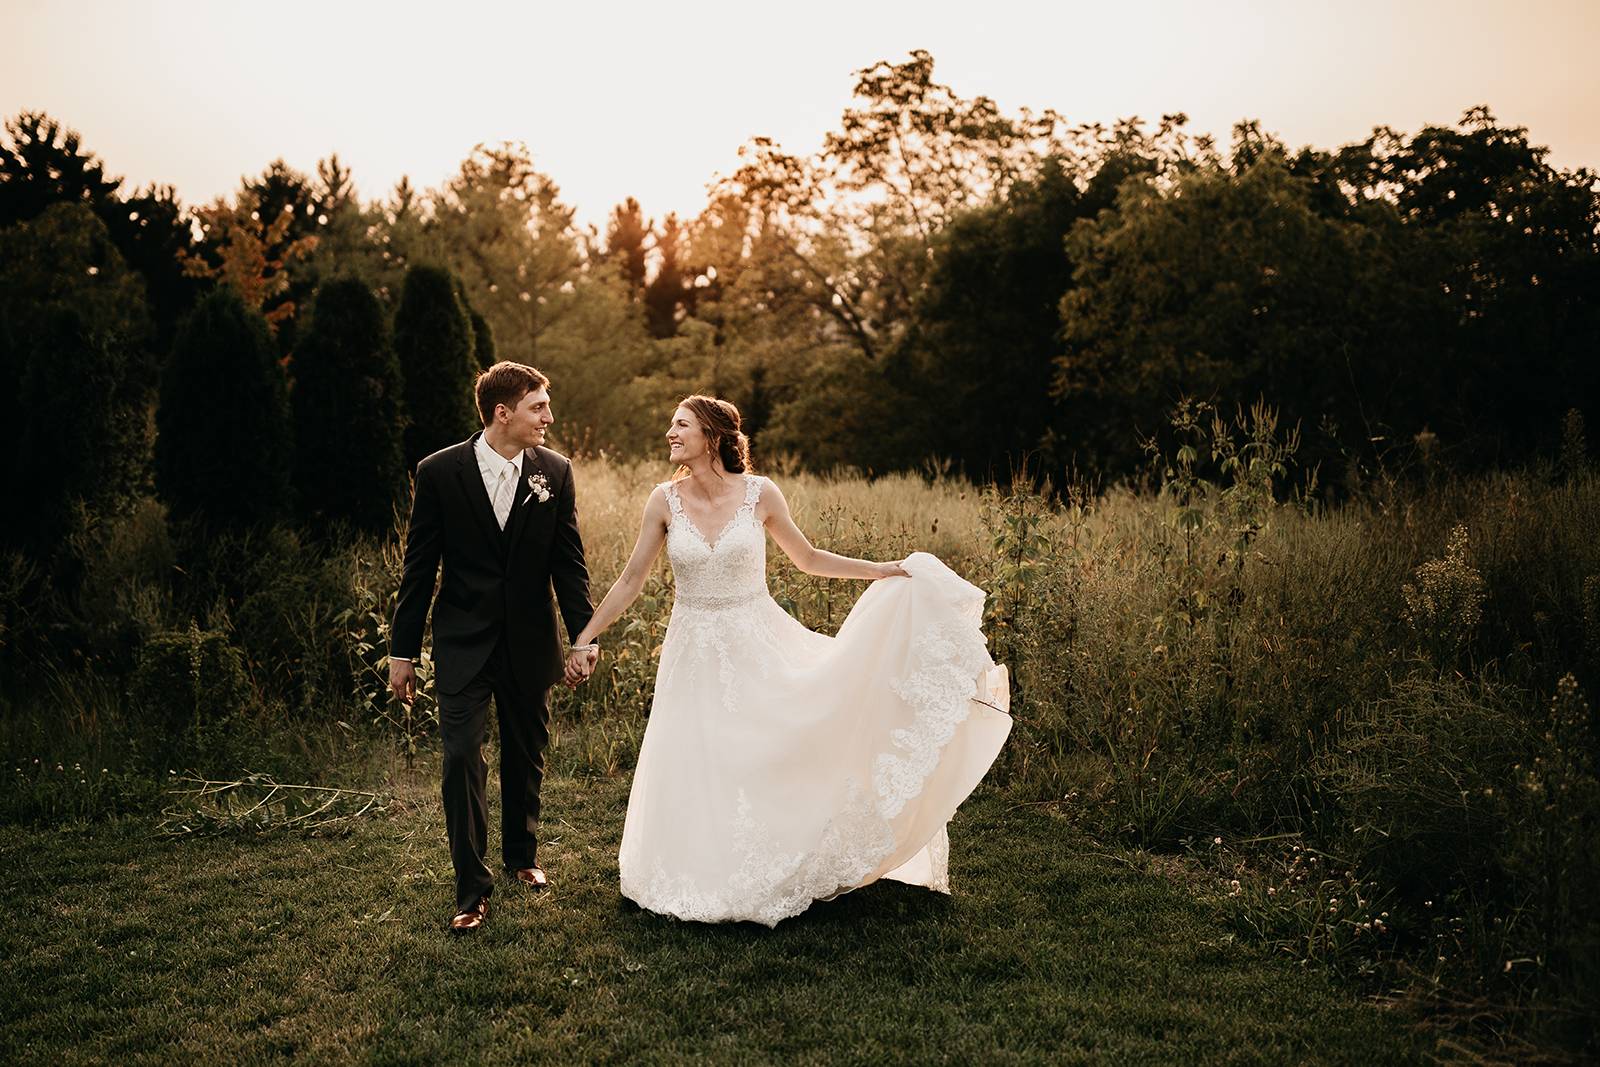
point(1446, 603)
point(433, 343)
point(984, 341)
point(500, 226)
point(626, 235)
point(349, 460)
point(55, 795)
point(191, 686)
point(73, 327)
point(223, 431)
point(364, 630)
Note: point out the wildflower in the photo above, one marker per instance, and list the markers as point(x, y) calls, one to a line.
point(1216, 840)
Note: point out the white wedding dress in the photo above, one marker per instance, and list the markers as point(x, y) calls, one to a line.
point(781, 766)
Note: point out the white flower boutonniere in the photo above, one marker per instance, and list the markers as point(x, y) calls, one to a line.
point(539, 487)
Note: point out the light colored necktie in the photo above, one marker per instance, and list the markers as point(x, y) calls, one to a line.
point(504, 491)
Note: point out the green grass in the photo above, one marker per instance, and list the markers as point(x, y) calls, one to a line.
point(125, 946)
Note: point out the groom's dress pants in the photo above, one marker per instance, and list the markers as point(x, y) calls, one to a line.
point(524, 718)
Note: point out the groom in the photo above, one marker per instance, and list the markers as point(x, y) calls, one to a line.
point(498, 511)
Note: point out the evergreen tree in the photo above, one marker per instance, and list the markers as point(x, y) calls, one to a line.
point(625, 238)
point(74, 379)
point(43, 164)
point(482, 339)
point(223, 434)
point(669, 291)
point(482, 332)
point(349, 459)
point(433, 341)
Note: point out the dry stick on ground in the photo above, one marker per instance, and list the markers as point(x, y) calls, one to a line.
point(212, 806)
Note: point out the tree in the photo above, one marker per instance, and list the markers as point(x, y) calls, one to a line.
point(249, 249)
point(1216, 285)
point(223, 434)
point(433, 343)
point(43, 164)
point(349, 429)
point(502, 228)
point(984, 334)
point(626, 235)
point(74, 376)
point(670, 294)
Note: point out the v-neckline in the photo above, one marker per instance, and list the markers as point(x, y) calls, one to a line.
point(695, 529)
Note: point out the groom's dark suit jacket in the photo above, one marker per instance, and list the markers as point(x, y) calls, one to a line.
point(495, 582)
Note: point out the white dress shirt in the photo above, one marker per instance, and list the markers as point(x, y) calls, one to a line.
point(491, 464)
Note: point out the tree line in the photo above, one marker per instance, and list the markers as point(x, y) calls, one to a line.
point(942, 282)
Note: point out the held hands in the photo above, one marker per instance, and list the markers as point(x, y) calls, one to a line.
point(580, 664)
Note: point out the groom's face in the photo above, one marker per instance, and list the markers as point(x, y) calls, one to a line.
point(527, 422)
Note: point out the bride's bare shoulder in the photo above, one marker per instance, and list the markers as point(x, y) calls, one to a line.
point(655, 505)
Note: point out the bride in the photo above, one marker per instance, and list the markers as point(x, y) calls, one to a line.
point(781, 766)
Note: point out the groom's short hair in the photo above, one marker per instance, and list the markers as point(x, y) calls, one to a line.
point(506, 383)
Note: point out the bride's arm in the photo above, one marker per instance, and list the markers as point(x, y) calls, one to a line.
point(808, 557)
point(628, 586)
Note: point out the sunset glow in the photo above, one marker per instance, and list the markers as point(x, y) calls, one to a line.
point(652, 101)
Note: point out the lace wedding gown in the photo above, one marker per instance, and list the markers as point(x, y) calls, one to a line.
point(782, 766)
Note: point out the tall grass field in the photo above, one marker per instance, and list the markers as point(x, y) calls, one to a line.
point(1289, 782)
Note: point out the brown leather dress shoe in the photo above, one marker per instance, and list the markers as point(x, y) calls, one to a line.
point(532, 877)
point(469, 920)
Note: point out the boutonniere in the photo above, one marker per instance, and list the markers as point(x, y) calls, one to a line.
point(539, 487)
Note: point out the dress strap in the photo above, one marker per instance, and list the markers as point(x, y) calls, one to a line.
point(752, 490)
point(674, 504)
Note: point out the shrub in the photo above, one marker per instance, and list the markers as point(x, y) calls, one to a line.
point(75, 373)
point(1445, 605)
point(349, 461)
point(433, 341)
point(223, 434)
point(192, 687)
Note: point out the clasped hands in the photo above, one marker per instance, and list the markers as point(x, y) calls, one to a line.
point(580, 664)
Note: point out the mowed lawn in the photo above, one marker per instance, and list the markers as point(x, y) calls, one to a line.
point(125, 946)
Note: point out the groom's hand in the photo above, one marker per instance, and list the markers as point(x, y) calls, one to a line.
point(403, 680)
point(580, 665)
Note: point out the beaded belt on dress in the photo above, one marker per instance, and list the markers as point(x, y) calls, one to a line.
point(717, 603)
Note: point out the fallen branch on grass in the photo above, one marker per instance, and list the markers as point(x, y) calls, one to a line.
point(257, 803)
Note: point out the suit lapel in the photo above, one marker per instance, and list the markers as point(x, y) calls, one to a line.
point(477, 496)
point(529, 503)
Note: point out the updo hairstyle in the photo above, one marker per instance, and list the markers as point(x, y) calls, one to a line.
point(719, 421)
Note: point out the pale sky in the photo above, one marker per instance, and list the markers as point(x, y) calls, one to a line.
point(651, 100)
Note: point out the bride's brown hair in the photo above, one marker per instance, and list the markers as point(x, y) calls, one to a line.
point(719, 421)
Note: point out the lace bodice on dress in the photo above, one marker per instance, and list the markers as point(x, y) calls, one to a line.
point(729, 570)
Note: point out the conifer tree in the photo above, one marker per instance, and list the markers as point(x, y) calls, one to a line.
point(349, 454)
point(223, 435)
point(74, 379)
point(433, 342)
